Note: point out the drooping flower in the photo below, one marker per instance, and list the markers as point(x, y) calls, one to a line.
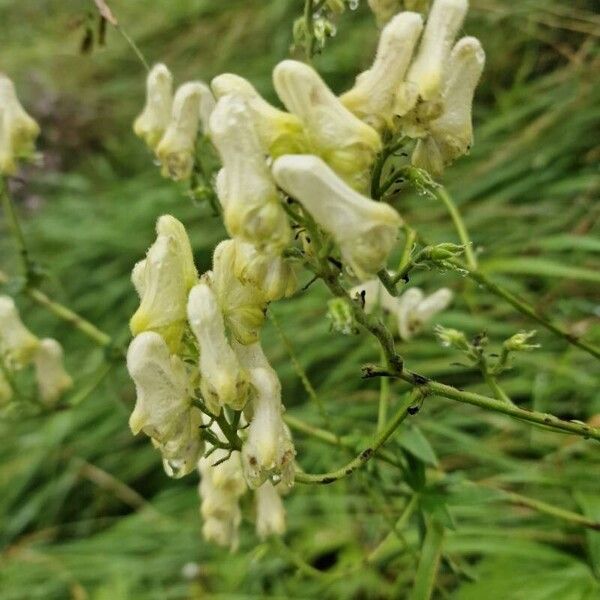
point(221, 486)
point(163, 409)
point(17, 343)
point(18, 131)
point(279, 132)
point(242, 303)
point(347, 144)
point(251, 205)
point(163, 281)
point(223, 382)
point(372, 97)
point(365, 230)
point(52, 378)
point(153, 121)
point(451, 134)
point(270, 513)
point(268, 451)
point(415, 309)
point(193, 101)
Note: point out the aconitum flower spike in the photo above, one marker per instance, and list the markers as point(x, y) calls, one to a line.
point(251, 206)
point(17, 343)
point(443, 23)
point(223, 382)
point(279, 132)
point(364, 230)
point(175, 151)
point(52, 378)
point(153, 121)
point(372, 97)
point(18, 131)
point(347, 144)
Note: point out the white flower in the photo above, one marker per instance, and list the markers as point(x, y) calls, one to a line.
point(372, 97)
point(251, 205)
point(270, 513)
point(18, 130)
point(223, 382)
point(443, 23)
point(163, 281)
point(375, 296)
point(347, 144)
point(152, 123)
point(415, 309)
point(242, 303)
point(279, 132)
point(6, 392)
point(364, 230)
point(451, 134)
point(268, 451)
point(221, 487)
point(52, 379)
point(192, 102)
point(17, 343)
point(163, 408)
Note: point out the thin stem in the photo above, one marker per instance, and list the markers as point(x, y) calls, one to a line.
point(409, 244)
point(13, 221)
point(491, 381)
point(134, 47)
point(384, 400)
point(441, 193)
point(366, 455)
point(310, 28)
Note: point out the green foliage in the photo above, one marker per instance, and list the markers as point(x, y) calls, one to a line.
point(85, 509)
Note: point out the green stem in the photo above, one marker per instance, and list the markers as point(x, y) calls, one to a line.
point(384, 400)
point(441, 193)
point(310, 28)
point(366, 455)
point(431, 553)
point(134, 47)
point(490, 379)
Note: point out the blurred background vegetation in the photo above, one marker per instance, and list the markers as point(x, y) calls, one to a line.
point(86, 511)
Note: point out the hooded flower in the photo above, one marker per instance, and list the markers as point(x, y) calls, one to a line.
point(270, 513)
point(18, 130)
point(268, 451)
point(279, 132)
point(415, 309)
point(364, 230)
point(347, 144)
point(163, 281)
point(221, 486)
point(251, 206)
point(17, 343)
point(223, 382)
point(372, 97)
point(451, 134)
point(52, 379)
point(163, 408)
point(242, 303)
point(193, 101)
point(152, 123)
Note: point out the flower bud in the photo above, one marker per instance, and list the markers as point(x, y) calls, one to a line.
point(168, 275)
point(242, 303)
point(364, 230)
point(52, 379)
point(452, 338)
point(17, 343)
point(340, 316)
point(223, 382)
point(152, 123)
point(373, 94)
point(443, 23)
point(520, 342)
point(279, 132)
point(18, 130)
point(347, 144)
point(251, 206)
point(270, 513)
point(414, 309)
point(268, 451)
point(193, 101)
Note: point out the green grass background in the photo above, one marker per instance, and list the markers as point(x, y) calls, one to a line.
point(85, 509)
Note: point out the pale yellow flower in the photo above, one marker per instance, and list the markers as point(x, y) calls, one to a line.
point(17, 343)
point(18, 131)
point(365, 230)
point(52, 378)
point(270, 513)
point(153, 121)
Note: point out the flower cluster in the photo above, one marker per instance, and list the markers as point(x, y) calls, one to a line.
point(20, 348)
point(18, 131)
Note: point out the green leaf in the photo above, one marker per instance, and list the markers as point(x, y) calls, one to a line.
point(411, 438)
point(590, 505)
point(429, 562)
